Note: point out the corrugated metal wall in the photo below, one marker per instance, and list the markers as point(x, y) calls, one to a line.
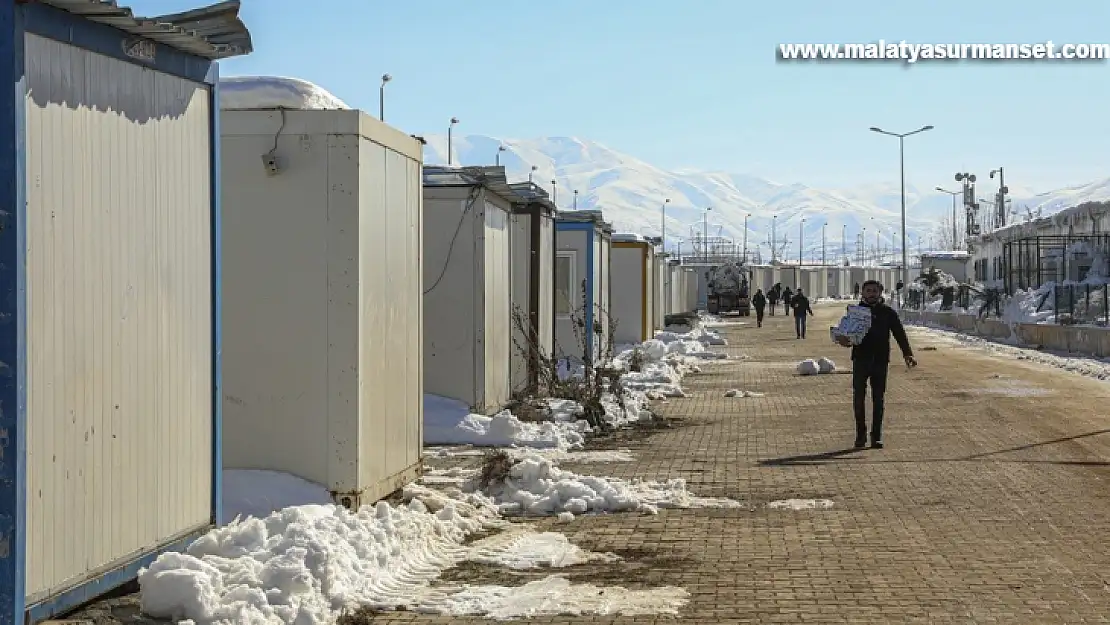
point(628, 269)
point(604, 283)
point(547, 285)
point(521, 225)
point(390, 370)
point(498, 295)
point(568, 345)
point(119, 323)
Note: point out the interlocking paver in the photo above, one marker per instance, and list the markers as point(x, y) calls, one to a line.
point(985, 507)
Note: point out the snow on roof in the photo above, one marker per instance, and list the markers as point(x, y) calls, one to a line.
point(629, 237)
point(271, 92)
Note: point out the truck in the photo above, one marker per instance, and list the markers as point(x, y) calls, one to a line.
point(728, 290)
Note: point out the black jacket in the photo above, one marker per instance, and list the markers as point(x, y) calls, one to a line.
point(876, 345)
point(759, 301)
point(800, 304)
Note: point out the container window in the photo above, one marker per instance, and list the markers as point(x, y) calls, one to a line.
point(564, 282)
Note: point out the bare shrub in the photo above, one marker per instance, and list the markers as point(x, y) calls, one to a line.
point(495, 468)
point(358, 616)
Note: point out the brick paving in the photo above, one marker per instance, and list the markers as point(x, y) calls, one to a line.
point(988, 505)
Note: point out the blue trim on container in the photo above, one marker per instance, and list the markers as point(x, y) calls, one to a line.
point(590, 229)
point(47, 21)
point(105, 582)
point(13, 319)
point(216, 183)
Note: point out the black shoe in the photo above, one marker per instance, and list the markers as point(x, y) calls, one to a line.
point(876, 444)
point(860, 443)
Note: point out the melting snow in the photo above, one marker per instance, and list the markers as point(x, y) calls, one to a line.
point(801, 504)
point(268, 92)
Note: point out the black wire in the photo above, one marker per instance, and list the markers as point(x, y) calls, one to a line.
point(471, 198)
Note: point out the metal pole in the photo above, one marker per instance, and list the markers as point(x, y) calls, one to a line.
point(381, 96)
point(663, 223)
point(774, 243)
point(705, 235)
point(844, 241)
point(449, 143)
point(902, 170)
point(955, 230)
point(801, 235)
point(823, 226)
point(576, 199)
point(746, 238)
point(555, 192)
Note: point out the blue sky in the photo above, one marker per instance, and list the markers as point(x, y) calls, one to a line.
point(695, 83)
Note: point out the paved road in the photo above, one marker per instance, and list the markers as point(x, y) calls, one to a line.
point(990, 503)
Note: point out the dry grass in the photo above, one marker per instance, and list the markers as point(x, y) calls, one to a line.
point(359, 616)
point(495, 468)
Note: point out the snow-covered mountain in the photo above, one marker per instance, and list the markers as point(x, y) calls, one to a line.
point(632, 193)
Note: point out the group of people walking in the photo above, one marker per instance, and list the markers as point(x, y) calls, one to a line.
point(794, 303)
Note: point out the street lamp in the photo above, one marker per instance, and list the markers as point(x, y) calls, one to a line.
point(774, 242)
point(844, 242)
point(705, 234)
point(955, 232)
point(454, 120)
point(555, 192)
point(531, 173)
point(381, 96)
point(746, 237)
point(497, 158)
point(1000, 198)
point(576, 199)
point(823, 227)
point(902, 169)
point(663, 224)
point(801, 235)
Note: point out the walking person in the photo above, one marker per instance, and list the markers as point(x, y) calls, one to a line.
point(787, 295)
point(759, 301)
point(871, 362)
point(773, 299)
point(800, 304)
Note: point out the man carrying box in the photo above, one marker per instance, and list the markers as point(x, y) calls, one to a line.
point(871, 361)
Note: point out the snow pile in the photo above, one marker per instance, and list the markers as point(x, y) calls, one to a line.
point(536, 487)
point(801, 504)
point(308, 564)
point(256, 493)
point(826, 365)
point(1086, 366)
point(269, 92)
point(735, 392)
point(808, 367)
point(450, 422)
point(699, 334)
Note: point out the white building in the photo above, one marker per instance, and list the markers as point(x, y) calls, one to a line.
point(952, 262)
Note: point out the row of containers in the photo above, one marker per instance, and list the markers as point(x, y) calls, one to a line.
point(817, 282)
point(197, 289)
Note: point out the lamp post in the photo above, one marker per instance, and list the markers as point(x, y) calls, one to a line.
point(823, 226)
point(862, 247)
point(663, 225)
point(454, 120)
point(705, 234)
point(554, 191)
point(955, 232)
point(381, 96)
point(1000, 197)
point(774, 243)
point(844, 242)
point(746, 237)
point(576, 199)
point(497, 158)
point(801, 235)
point(902, 170)
point(532, 172)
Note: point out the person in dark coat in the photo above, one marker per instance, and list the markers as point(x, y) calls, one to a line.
point(800, 304)
point(759, 301)
point(855, 290)
point(871, 362)
point(773, 299)
point(787, 295)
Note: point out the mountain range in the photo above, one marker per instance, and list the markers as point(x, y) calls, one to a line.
point(631, 193)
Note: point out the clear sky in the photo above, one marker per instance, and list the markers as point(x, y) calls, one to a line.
point(696, 84)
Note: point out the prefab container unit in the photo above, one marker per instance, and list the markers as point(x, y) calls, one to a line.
point(662, 280)
point(533, 271)
point(839, 283)
point(583, 244)
point(690, 281)
point(633, 288)
point(468, 277)
point(322, 299)
point(109, 269)
point(858, 276)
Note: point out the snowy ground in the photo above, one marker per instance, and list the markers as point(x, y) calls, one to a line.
point(295, 558)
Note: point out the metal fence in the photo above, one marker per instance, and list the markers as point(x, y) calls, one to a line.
point(1032, 262)
point(1081, 304)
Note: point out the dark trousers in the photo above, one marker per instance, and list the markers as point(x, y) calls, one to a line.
point(800, 323)
point(773, 304)
point(786, 308)
point(864, 371)
point(759, 317)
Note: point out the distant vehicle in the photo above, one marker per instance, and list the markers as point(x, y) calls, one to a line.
point(728, 290)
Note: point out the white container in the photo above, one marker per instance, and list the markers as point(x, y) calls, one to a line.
point(468, 277)
point(109, 428)
point(322, 300)
point(583, 243)
point(690, 279)
point(533, 269)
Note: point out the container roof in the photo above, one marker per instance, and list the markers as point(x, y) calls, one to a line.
point(491, 177)
point(212, 32)
point(630, 237)
point(585, 216)
point(532, 193)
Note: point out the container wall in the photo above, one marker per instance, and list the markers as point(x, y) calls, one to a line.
point(390, 320)
point(453, 299)
point(692, 289)
point(628, 277)
point(119, 312)
point(570, 276)
point(520, 327)
point(497, 291)
point(603, 293)
point(547, 285)
point(660, 298)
